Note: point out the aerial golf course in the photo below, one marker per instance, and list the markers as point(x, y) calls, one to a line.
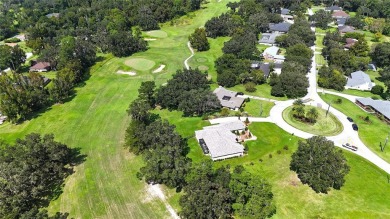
point(106, 186)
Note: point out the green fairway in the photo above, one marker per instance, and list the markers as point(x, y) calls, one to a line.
point(157, 33)
point(95, 120)
point(140, 64)
point(325, 126)
point(372, 132)
point(258, 108)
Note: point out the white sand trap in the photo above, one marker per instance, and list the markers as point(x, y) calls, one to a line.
point(131, 73)
point(149, 39)
point(159, 69)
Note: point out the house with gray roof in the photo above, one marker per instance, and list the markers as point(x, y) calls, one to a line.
point(346, 29)
point(220, 142)
point(229, 98)
point(333, 8)
point(283, 27)
point(272, 53)
point(269, 38)
point(284, 11)
point(381, 107)
point(359, 80)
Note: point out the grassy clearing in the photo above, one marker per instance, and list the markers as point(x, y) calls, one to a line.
point(325, 126)
point(105, 185)
point(371, 133)
point(258, 108)
point(263, 90)
point(320, 60)
point(357, 198)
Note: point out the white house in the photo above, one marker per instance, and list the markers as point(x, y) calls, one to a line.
point(272, 53)
point(359, 81)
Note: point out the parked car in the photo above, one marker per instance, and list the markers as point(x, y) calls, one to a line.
point(350, 119)
point(351, 147)
point(240, 93)
point(355, 127)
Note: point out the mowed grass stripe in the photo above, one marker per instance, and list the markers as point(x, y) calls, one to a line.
point(105, 185)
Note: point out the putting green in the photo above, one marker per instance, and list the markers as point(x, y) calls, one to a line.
point(201, 59)
point(203, 68)
point(157, 33)
point(325, 126)
point(140, 64)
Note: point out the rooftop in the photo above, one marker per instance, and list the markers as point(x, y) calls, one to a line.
point(333, 8)
point(228, 98)
point(269, 38)
point(358, 78)
point(272, 51)
point(219, 141)
point(381, 106)
point(346, 29)
point(284, 11)
point(40, 65)
point(280, 27)
point(340, 14)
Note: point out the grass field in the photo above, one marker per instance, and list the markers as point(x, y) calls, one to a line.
point(95, 120)
point(325, 126)
point(258, 108)
point(157, 33)
point(357, 198)
point(263, 90)
point(370, 133)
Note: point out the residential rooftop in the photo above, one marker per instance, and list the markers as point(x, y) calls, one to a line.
point(359, 78)
point(381, 106)
point(228, 98)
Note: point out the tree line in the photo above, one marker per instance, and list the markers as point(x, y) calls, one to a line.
point(219, 193)
point(33, 170)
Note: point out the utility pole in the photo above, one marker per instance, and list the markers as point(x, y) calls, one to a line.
point(261, 108)
point(327, 111)
point(387, 139)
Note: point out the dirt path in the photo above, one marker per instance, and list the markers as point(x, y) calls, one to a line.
point(156, 191)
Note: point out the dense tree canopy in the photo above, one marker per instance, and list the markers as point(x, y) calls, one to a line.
point(31, 170)
point(321, 18)
point(319, 164)
point(199, 40)
point(381, 54)
point(11, 57)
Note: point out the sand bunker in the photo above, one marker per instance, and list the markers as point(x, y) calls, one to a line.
point(131, 73)
point(159, 69)
point(149, 39)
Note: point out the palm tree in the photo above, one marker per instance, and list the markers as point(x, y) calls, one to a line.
point(312, 114)
point(300, 111)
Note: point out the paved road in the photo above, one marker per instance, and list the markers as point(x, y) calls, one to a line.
point(347, 135)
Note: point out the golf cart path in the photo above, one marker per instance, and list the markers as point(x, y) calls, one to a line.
point(192, 54)
point(348, 135)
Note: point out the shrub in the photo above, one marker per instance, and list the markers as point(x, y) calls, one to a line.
point(250, 87)
point(260, 160)
point(225, 111)
point(377, 89)
point(285, 147)
point(205, 117)
point(270, 155)
point(338, 101)
point(279, 152)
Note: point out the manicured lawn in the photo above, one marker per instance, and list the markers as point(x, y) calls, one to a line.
point(140, 64)
point(362, 196)
point(263, 90)
point(325, 126)
point(95, 120)
point(157, 33)
point(371, 133)
point(258, 108)
point(320, 60)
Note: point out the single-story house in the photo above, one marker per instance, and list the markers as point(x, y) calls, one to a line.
point(228, 98)
point(284, 11)
point(381, 107)
point(272, 53)
point(277, 67)
point(359, 81)
point(55, 15)
point(340, 14)
point(269, 38)
point(283, 27)
point(333, 8)
point(349, 42)
point(267, 67)
point(346, 29)
point(341, 21)
point(220, 142)
point(41, 67)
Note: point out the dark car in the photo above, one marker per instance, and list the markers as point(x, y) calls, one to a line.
point(240, 93)
point(355, 127)
point(350, 119)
